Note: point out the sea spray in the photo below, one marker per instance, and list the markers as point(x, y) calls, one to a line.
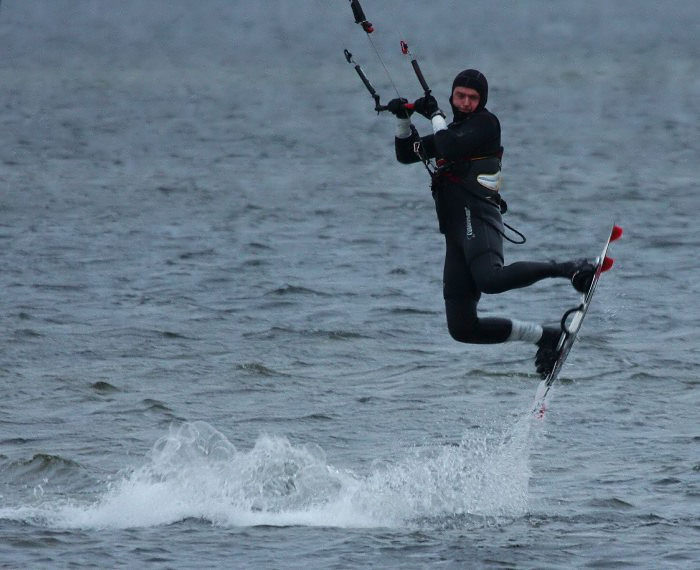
point(195, 472)
point(486, 475)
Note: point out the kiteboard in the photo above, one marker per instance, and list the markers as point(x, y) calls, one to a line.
point(571, 324)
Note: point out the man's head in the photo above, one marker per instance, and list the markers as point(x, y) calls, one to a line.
point(470, 91)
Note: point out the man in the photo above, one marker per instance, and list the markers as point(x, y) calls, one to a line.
point(466, 191)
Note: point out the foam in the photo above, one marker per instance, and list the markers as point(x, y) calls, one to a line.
point(196, 472)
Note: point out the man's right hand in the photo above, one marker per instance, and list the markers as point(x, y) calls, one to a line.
point(397, 107)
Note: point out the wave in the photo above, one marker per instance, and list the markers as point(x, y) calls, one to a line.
point(196, 472)
point(40, 466)
point(43, 476)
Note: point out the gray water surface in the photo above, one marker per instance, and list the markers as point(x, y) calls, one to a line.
point(223, 341)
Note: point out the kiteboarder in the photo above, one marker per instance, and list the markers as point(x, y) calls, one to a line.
point(465, 187)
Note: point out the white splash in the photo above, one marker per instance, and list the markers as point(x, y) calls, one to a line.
point(196, 472)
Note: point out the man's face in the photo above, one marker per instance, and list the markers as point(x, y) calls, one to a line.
point(465, 99)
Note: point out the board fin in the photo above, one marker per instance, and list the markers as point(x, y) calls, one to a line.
point(616, 232)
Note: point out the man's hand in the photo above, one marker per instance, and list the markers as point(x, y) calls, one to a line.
point(428, 107)
point(398, 108)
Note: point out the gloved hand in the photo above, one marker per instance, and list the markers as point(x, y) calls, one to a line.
point(427, 106)
point(398, 108)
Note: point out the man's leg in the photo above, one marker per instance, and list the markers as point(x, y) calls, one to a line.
point(484, 254)
point(461, 299)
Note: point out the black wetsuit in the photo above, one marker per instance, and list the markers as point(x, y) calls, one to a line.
point(470, 217)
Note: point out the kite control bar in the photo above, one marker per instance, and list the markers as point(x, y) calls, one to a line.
point(360, 17)
point(367, 26)
point(377, 105)
point(372, 91)
point(416, 68)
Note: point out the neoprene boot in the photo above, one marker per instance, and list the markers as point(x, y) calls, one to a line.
point(580, 272)
point(547, 350)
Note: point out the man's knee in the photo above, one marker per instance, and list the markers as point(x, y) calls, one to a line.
point(462, 320)
point(462, 324)
point(462, 331)
point(480, 331)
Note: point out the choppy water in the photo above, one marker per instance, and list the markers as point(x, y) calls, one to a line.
point(222, 338)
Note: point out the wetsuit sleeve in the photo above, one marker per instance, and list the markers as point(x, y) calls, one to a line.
point(404, 148)
point(478, 135)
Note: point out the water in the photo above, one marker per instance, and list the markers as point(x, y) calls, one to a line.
point(222, 333)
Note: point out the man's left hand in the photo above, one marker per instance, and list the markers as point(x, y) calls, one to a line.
point(427, 106)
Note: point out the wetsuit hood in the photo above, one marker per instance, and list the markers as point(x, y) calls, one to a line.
point(473, 79)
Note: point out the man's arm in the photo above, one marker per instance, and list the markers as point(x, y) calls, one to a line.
point(405, 141)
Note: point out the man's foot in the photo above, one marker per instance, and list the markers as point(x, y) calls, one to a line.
point(582, 277)
point(547, 351)
point(579, 271)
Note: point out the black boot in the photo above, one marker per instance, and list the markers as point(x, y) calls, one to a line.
point(547, 350)
point(583, 276)
point(580, 272)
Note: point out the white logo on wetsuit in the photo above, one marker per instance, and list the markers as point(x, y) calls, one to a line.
point(468, 216)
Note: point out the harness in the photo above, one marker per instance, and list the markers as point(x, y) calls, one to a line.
point(489, 181)
point(442, 170)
